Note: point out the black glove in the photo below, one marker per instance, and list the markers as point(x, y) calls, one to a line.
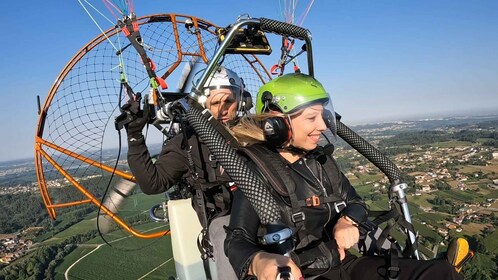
point(133, 118)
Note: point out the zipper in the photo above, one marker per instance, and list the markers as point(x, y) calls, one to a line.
point(323, 188)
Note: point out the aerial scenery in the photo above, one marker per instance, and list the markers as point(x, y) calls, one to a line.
point(211, 139)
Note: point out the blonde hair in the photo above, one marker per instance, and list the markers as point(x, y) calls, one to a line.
point(248, 130)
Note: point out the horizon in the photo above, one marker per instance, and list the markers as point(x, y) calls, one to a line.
point(381, 61)
point(492, 113)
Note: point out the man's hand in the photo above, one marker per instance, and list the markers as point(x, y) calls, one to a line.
point(346, 234)
point(139, 117)
point(265, 266)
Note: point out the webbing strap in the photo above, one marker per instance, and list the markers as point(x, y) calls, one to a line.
point(314, 201)
point(203, 242)
point(273, 169)
point(205, 248)
point(393, 269)
point(393, 217)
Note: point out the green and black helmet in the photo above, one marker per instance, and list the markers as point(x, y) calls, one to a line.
point(289, 93)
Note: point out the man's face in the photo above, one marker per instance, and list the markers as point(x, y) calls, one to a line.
point(223, 104)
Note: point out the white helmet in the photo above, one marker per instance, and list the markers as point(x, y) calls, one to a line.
point(225, 78)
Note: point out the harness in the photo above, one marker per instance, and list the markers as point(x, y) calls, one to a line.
point(276, 172)
point(207, 200)
point(394, 251)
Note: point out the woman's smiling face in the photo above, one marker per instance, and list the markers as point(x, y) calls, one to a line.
point(307, 127)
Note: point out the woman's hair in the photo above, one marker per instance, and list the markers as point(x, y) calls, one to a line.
point(248, 130)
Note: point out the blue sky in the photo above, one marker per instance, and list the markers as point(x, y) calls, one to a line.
point(379, 59)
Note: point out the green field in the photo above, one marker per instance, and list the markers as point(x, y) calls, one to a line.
point(114, 263)
point(132, 258)
point(431, 218)
point(451, 144)
point(462, 196)
point(125, 257)
point(421, 200)
point(70, 259)
point(491, 242)
point(424, 230)
point(471, 169)
point(83, 226)
point(122, 258)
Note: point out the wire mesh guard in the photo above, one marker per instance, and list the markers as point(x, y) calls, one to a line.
point(75, 144)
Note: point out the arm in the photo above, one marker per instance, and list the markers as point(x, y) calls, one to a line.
point(242, 247)
point(241, 242)
point(168, 169)
point(356, 208)
point(346, 231)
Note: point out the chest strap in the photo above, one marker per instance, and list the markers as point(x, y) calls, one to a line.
point(315, 201)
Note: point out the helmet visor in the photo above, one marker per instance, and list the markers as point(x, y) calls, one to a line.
point(330, 120)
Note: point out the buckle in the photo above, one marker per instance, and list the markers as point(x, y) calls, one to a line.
point(276, 237)
point(393, 272)
point(337, 204)
point(312, 201)
point(298, 217)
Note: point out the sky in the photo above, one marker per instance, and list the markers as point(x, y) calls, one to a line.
point(380, 60)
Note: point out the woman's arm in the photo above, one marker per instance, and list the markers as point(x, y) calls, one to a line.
point(241, 244)
point(356, 208)
point(345, 230)
point(242, 247)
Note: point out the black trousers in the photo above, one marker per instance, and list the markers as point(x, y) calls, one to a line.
point(374, 267)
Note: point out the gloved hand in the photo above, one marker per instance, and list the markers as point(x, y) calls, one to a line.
point(139, 117)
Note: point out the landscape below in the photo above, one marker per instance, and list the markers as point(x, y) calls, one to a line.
point(450, 166)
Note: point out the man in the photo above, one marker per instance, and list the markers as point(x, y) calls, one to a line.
point(186, 157)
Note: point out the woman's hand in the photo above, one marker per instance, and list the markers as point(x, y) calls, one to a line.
point(346, 234)
point(265, 265)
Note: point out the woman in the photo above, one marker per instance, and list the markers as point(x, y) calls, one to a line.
point(318, 203)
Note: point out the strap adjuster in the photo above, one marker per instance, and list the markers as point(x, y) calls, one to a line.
point(393, 272)
point(313, 201)
point(337, 204)
point(298, 217)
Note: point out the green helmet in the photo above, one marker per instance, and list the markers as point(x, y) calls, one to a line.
point(289, 93)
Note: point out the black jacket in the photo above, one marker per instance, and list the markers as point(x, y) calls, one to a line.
point(173, 165)
point(310, 178)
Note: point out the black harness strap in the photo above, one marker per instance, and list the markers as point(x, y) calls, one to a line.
point(276, 172)
point(314, 201)
point(203, 242)
point(392, 217)
point(393, 260)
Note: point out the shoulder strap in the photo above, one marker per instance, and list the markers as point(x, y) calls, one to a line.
point(275, 172)
point(272, 167)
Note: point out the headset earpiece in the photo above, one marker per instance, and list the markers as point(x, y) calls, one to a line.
point(277, 131)
point(246, 102)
